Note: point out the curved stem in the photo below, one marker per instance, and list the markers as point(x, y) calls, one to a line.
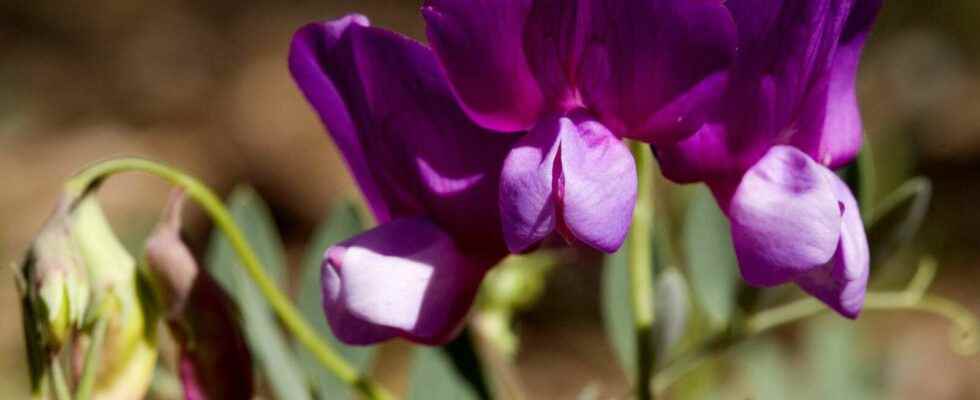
point(90, 178)
point(966, 340)
point(641, 271)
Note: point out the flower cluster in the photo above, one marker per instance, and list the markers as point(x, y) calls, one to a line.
point(83, 297)
point(510, 129)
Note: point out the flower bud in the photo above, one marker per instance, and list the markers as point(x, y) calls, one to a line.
point(215, 362)
point(171, 265)
point(128, 355)
point(54, 293)
point(54, 281)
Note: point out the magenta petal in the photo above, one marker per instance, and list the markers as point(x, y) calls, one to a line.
point(597, 188)
point(641, 56)
point(405, 278)
point(388, 106)
point(831, 129)
point(310, 45)
point(785, 218)
point(481, 46)
point(553, 41)
point(792, 82)
point(527, 201)
point(729, 143)
point(842, 282)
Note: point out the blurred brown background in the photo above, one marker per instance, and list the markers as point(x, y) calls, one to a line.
point(203, 85)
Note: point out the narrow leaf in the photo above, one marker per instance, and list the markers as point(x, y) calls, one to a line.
point(711, 260)
point(617, 309)
point(433, 377)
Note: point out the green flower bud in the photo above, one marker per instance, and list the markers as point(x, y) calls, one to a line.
point(129, 352)
point(54, 281)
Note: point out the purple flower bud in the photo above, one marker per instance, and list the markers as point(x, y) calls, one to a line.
point(214, 361)
point(171, 264)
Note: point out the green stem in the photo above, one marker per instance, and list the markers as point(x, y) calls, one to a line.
point(89, 178)
point(919, 189)
point(92, 356)
point(58, 382)
point(639, 245)
point(965, 335)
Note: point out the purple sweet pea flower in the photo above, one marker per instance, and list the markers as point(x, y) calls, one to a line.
point(580, 76)
point(787, 116)
point(430, 175)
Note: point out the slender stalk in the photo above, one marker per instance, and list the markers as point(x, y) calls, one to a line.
point(89, 178)
point(965, 336)
point(58, 382)
point(92, 356)
point(639, 245)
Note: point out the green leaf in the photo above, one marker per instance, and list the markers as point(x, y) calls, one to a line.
point(617, 309)
point(898, 218)
point(836, 371)
point(769, 370)
point(433, 377)
point(711, 260)
point(342, 223)
point(268, 344)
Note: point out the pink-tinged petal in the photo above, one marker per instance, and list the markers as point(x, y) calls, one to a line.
point(785, 218)
point(644, 58)
point(388, 106)
point(527, 198)
point(842, 282)
point(597, 187)
point(405, 278)
point(481, 46)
